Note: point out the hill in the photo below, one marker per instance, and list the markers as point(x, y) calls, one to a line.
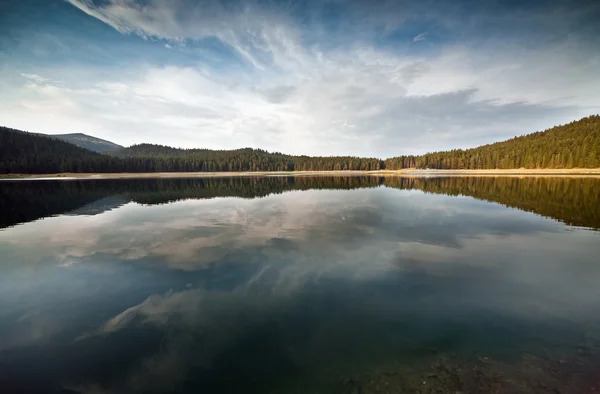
point(87, 142)
point(153, 150)
point(574, 145)
point(27, 153)
point(246, 159)
point(30, 153)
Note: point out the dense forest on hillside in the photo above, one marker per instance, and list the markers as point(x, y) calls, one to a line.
point(165, 158)
point(33, 153)
point(573, 201)
point(576, 144)
point(28, 153)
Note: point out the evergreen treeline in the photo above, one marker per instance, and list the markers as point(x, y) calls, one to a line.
point(26, 153)
point(574, 201)
point(574, 145)
point(164, 158)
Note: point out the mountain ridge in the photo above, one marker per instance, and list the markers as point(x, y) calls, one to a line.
point(573, 145)
point(89, 142)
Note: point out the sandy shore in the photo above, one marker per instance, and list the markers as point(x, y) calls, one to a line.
point(511, 172)
point(128, 175)
point(407, 172)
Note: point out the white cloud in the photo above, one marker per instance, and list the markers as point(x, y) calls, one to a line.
point(420, 37)
point(35, 77)
point(251, 34)
point(377, 105)
point(298, 94)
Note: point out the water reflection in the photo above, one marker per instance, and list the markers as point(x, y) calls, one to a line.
point(572, 200)
point(363, 289)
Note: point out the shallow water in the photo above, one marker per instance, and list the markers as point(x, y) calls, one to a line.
point(300, 285)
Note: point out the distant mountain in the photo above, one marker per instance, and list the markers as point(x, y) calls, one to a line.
point(87, 142)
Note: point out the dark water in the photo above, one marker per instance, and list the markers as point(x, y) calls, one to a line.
point(300, 285)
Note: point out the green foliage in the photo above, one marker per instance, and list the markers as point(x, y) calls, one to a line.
point(27, 153)
point(164, 158)
point(574, 145)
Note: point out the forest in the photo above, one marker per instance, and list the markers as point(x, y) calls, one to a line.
point(26, 153)
point(574, 145)
point(247, 159)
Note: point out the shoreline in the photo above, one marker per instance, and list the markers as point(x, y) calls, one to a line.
point(593, 172)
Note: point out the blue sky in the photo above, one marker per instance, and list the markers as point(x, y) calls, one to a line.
point(368, 78)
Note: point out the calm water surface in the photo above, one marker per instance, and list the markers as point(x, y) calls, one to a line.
point(300, 285)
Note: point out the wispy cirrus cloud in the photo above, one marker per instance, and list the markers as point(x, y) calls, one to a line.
point(296, 78)
point(35, 77)
point(420, 37)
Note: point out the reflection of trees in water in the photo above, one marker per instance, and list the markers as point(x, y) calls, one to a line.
point(574, 201)
point(24, 201)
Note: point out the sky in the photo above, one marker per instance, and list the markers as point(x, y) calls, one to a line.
point(373, 78)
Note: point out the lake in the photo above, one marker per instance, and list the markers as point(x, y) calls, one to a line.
point(300, 285)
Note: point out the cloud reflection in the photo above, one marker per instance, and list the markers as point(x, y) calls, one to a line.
point(202, 287)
